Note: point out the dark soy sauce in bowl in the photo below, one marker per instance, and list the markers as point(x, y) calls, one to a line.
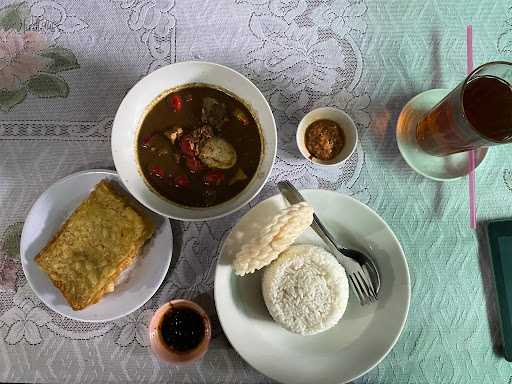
point(180, 332)
point(182, 329)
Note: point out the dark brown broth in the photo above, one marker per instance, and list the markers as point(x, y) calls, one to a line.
point(244, 137)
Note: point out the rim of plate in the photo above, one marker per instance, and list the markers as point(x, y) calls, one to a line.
point(218, 297)
point(51, 307)
point(191, 216)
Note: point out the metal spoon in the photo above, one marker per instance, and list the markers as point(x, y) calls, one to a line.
point(366, 262)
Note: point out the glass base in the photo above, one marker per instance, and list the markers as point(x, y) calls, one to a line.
point(438, 168)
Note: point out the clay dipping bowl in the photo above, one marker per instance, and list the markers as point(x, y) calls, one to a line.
point(162, 350)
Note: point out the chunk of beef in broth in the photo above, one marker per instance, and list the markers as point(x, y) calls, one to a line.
point(191, 143)
point(165, 159)
point(213, 113)
point(201, 135)
point(157, 144)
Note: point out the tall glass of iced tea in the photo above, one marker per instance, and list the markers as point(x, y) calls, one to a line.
point(477, 113)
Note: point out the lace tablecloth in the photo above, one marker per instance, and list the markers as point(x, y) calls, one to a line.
point(66, 65)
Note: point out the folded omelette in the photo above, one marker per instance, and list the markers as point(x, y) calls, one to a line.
point(97, 242)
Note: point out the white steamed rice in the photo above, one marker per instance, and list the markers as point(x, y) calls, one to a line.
point(305, 289)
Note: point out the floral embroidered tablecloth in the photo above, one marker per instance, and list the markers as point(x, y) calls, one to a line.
point(66, 65)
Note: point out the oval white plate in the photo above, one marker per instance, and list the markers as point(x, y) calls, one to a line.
point(47, 214)
point(127, 122)
point(362, 338)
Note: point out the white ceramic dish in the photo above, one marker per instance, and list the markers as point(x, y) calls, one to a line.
point(362, 338)
point(345, 123)
point(133, 107)
point(46, 216)
point(445, 168)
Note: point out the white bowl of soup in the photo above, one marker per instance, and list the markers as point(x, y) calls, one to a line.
point(194, 141)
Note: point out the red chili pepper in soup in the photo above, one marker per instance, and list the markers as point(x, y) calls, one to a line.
point(194, 164)
point(214, 178)
point(187, 145)
point(176, 103)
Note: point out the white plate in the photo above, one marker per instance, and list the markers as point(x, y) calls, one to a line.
point(133, 107)
point(47, 214)
point(362, 338)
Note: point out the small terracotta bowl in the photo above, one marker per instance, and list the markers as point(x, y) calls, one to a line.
point(347, 126)
point(162, 350)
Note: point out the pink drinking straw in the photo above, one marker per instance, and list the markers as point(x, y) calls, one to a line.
point(472, 153)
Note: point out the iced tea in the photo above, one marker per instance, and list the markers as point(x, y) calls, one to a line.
point(477, 113)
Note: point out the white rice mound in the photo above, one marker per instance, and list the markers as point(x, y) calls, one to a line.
point(305, 289)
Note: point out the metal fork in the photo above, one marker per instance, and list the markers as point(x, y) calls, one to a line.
point(358, 275)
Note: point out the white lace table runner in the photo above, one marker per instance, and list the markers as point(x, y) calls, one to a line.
point(66, 65)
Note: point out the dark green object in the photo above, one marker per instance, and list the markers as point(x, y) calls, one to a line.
point(46, 85)
point(13, 17)
point(62, 59)
point(9, 99)
point(500, 242)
